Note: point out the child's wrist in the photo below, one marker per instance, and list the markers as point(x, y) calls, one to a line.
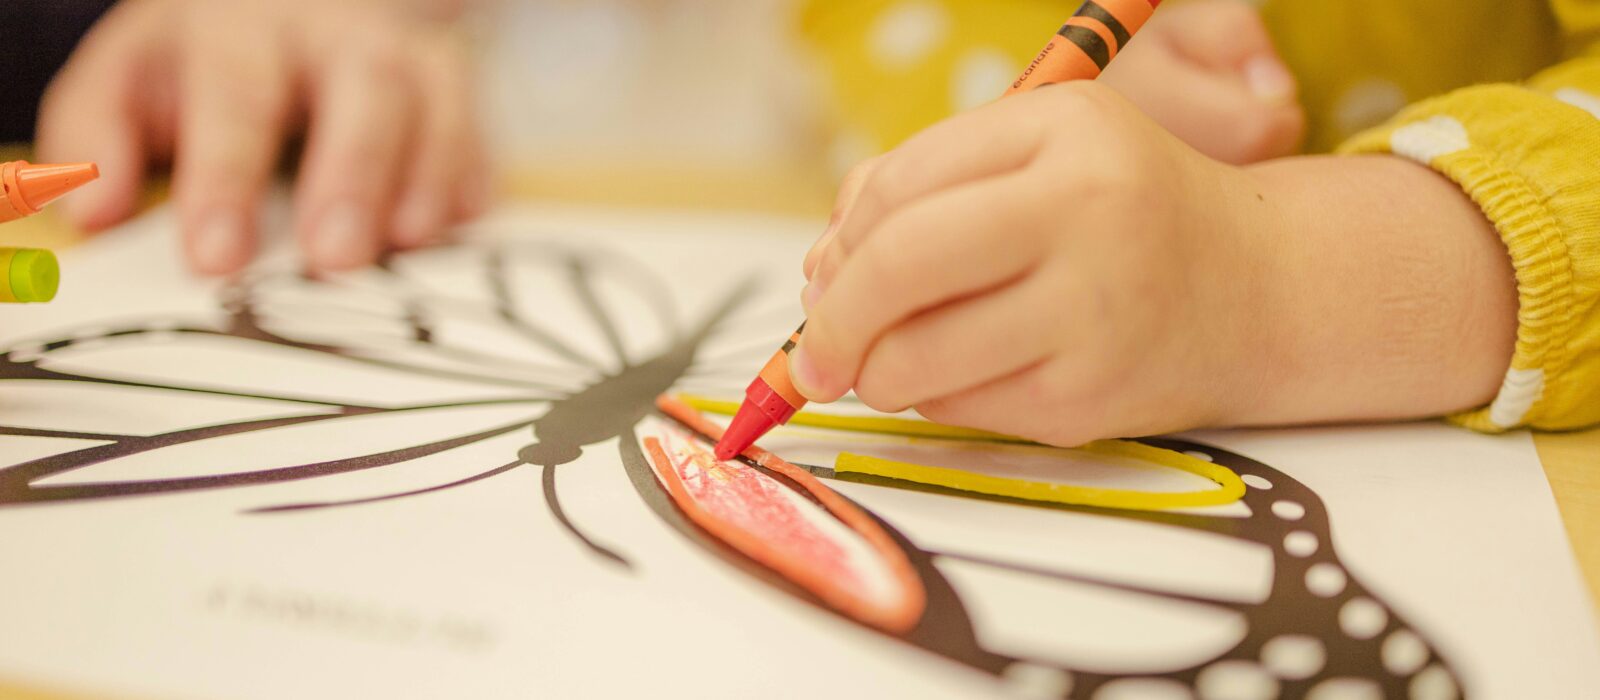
point(1389, 294)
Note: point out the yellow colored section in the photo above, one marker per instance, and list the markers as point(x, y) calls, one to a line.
point(1232, 488)
point(882, 425)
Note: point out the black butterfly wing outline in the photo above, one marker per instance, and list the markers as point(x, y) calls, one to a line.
point(1384, 653)
point(570, 424)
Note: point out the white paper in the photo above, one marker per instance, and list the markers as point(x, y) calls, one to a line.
point(472, 587)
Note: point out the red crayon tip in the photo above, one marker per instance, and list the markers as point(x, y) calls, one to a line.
point(764, 408)
point(748, 425)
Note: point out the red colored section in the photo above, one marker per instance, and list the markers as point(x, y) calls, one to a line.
point(800, 558)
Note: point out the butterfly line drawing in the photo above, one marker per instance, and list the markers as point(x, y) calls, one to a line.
point(577, 399)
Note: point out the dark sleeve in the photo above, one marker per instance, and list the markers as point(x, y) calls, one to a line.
point(36, 37)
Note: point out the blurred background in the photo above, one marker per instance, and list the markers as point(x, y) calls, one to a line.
point(747, 104)
point(655, 102)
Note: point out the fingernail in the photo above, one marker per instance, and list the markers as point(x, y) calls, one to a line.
point(1268, 79)
point(804, 373)
point(344, 239)
point(419, 222)
point(216, 244)
point(811, 294)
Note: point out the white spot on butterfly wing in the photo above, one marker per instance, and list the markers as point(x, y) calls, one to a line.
point(1293, 656)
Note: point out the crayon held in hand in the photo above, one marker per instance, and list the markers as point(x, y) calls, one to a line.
point(770, 401)
point(1086, 44)
point(1079, 51)
point(29, 187)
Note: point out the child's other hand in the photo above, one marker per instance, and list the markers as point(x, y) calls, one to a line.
point(1207, 71)
point(1058, 266)
point(382, 96)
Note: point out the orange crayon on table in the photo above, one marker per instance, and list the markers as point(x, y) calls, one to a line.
point(28, 187)
point(1082, 49)
point(30, 274)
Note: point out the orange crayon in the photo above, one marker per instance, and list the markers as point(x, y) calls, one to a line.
point(28, 187)
point(1079, 51)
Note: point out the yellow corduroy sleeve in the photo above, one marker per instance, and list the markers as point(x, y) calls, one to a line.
point(1529, 155)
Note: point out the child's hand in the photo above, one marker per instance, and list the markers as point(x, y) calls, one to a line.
point(1207, 71)
point(392, 153)
point(1059, 267)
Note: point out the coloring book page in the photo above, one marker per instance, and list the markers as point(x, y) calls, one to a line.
point(444, 477)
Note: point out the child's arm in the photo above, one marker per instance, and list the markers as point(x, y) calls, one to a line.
point(1057, 266)
point(381, 94)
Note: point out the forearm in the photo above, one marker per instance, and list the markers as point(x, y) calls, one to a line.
point(1390, 295)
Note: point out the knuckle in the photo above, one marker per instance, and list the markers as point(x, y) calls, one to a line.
point(889, 373)
point(245, 108)
point(877, 395)
point(1083, 98)
point(890, 180)
point(886, 266)
point(1234, 14)
point(859, 173)
point(1264, 133)
point(381, 53)
point(1051, 385)
point(940, 410)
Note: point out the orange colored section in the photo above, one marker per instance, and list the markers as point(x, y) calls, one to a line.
point(26, 188)
point(897, 619)
point(776, 375)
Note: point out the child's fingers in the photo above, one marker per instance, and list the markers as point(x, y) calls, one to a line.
point(235, 105)
point(90, 113)
point(445, 143)
point(1215, 112)
point(849, 189)
point(1012, 405)
point(474, 190)
point(361, 121)
point(960, 346)
point(974, 238)
point(1218, 34)
point(983, 143)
